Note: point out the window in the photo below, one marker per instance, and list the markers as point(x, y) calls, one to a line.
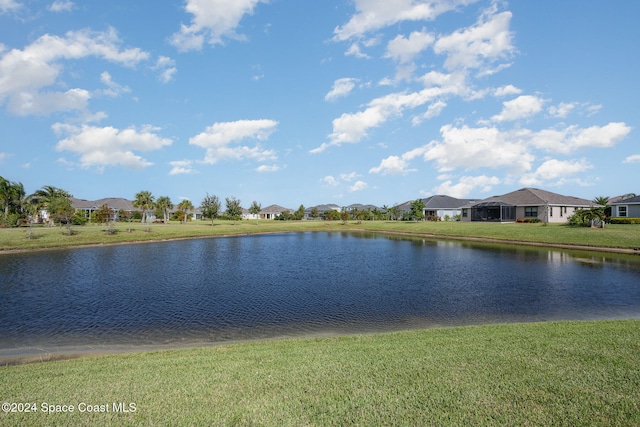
point(464, 213)
point(622, 211)
point(531, 212)
point(561, 211)
point(551, 211)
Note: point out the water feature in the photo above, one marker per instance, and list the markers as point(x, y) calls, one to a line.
point(204, 291)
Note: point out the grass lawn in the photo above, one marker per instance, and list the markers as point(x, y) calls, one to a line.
point(613, 236)
point(565, 373)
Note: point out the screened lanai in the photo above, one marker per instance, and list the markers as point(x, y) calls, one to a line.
point(493, 211)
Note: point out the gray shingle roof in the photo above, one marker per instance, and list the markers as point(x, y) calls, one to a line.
point(535, 197)
point(633, 200)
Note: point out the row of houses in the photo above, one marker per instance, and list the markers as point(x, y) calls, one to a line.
point(525, 203)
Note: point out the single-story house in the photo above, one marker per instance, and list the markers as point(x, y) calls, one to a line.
point(526, 203)
point(116, 203)
point(272, 211)
point(626, 208)
point(321, 209)
point(438, 206)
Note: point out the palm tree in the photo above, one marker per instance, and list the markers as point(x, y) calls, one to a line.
point(52, 199)
point(185, 206)
point(601, 201)
point(165, 204)
point(145, 201)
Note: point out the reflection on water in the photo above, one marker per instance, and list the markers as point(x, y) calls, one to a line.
point(253, 287)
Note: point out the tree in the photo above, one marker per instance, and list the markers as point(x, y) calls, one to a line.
point(164, 204)
point(417, 209)
point(55, 201)
point(210, 207)
point(314, 213)
point(394, 212)
point(234, 210)
point(144, 201)
point(299, 214)
point(185, 206)
point(103, 215)
point(255, 209)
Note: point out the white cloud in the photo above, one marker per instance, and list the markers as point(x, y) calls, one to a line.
point(108, 146)
point(330, 181)
point(181, 167)
point(166, 67)
point(507, 90)
point(352, 127)
point(24, 74)
point(3, 156)
point(573, 138)
point(561, 110)
point(115, 89)
point(372, 15)
point(399, 165)
point(466, 186)
point(354, 50)
point(555, 171)
point(632, 159)
point(267, 168)
point(522, 107)
point(217, 140)
point(61, 6)
point(402, 49)
point(478, 46)
point(472, 148)
point(348, 177)
point(434, 110)
point(211, 22)
point(341, 87)
point(9, 6)
point(358, 186)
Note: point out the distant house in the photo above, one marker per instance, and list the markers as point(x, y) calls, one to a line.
point(116, 203)
point(321, 210)
point(438, 206)
point(526, 203)
point(626, 208)
point(272, 211)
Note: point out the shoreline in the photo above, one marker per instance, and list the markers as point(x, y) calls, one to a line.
point(567, 246)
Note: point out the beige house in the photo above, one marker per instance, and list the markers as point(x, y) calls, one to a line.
point(524, 204)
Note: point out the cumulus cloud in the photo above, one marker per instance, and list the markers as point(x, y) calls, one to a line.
point(471, 148)
point(166, 67)
point(182, 167)
point(107, 146)
point(341, 87)
point(114, 89)
point(480, 45)
point(358, 186)
point(522, 107)
point(561, 110)
point(467, 185)
point(217, 140)
point(632, 159)
point(372, 15)
point(24, 74)
point(572, 138)
point(506, 91)
point(8, 6)
point(267, 168)
point(398, 165)
point(61, 6)
point(330, 181)
point(402, 49)
point(211, 22)
point(555, 171)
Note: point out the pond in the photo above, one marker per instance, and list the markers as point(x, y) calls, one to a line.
point(204, 291)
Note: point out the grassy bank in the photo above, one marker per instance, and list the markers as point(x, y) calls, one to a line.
point(614, 236)
point(567, 373)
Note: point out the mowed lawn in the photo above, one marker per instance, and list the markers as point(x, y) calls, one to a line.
point(565, 373)
point(613, 236)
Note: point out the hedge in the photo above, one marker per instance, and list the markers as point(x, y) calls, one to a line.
point(624, 220)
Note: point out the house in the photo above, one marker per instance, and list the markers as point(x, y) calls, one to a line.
point(626, 208)
point(272, 211)
point(526, 203)
point(439, 206)
point(116, 203)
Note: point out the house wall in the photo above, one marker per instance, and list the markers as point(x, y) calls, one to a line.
point(633, 211)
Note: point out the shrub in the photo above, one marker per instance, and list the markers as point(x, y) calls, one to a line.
point(624, 220)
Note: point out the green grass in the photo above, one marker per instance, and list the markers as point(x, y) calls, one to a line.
point(565, 373)
point(613, 236)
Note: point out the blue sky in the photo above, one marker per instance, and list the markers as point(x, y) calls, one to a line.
point(308, 102)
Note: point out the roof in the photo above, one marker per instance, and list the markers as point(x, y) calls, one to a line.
point(117, 203)
point(631, 200)
point(534, 197)
point(274, 209)
point(437, 202)
point(324, 208)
